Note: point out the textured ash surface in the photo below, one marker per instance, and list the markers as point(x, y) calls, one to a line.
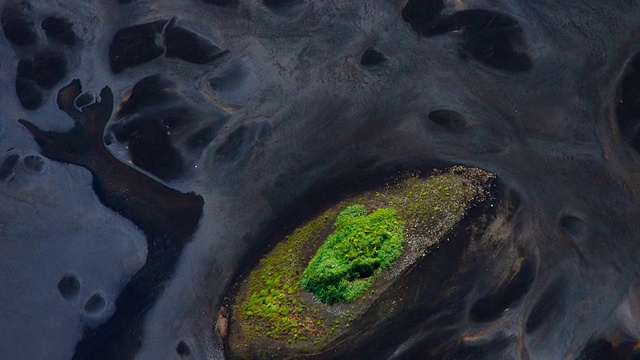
point(255, 105)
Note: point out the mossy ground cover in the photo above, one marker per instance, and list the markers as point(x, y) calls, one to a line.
point(271, 303)
point(361, 247)
point(348, 249)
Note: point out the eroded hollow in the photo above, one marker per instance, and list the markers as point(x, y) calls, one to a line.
point(135, 45)
point(372, 57)
point(201, 138)
point(59, 30)
point(228, 3)
point(549, 307)
point(69, 287)
point(449, 119)
point(46, 69)
point(150, 146)
point(189, 46)
point(493, 39)
point(285, 7)
point(28, 93)
point(33, 163)
point(422, 15)
point(231, 147)
point(601, 349)
point(7, 166)
point(151, 91)
point(95, 304)
point(573, 225)
point(17, 27)
point(507, 294)
point(233, 76)
point(278, 4)
point(627, 103)
point(183, 349)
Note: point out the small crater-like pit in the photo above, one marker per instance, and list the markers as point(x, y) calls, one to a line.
point(95, 304)
point(448, 119)
point(183, 349)
point(33, 163)
point(59, 30)
point(7, 166)
point(372, 57)
point(28, 93)
point(69, 287)
point(17, 28)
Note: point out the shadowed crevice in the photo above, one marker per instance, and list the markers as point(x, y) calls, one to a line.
point(493, 305)
point(602, 349)
point(549, 307)
point(189, 46)
point(492, 39)
point(17, 27)
point(59, 30)
point(448, 119)
point(225, 3)
point(135, 45)
point(423, 15)
point(372, 57)
point(7, 166)
point(627, 103)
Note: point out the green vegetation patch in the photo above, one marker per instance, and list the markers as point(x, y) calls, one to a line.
point(360, 248)
point(272, 303)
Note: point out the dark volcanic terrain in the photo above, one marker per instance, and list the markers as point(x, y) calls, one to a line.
point(152, 150)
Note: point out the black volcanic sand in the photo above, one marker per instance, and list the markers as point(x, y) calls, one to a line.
point(271, 110)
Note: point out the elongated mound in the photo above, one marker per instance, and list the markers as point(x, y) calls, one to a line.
point(360, 248)
point(316, 285)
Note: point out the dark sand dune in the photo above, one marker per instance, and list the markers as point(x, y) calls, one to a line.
point(165, 144)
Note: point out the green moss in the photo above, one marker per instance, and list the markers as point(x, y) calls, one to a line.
point(273, 305)
point(435, 203)
point(362, 245)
